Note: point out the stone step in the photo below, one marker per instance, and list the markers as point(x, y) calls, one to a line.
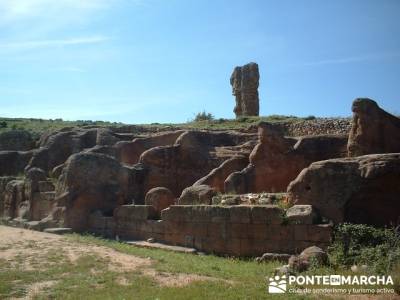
point(17, 222)
point(156, 245)
point(33, 225)
point(49, 196)
point(58, 230)
point(46, 186)
point(44, 196)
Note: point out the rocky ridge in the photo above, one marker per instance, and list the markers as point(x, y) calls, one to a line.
point(92, 179)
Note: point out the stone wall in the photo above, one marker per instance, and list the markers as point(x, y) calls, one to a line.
point(231, 230)
point(316, 126)
point(101, 225)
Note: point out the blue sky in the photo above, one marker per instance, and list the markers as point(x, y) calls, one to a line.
point(143, 61)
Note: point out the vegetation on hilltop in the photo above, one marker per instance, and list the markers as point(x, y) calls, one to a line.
point(202, 120)
point(38, 126)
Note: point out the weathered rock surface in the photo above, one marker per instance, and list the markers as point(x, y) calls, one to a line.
point(39, 193)
point(216, 178)
point(56, 172)
point(58, 230)
point(13, 163)
point(192, 157)
point(197, 194)
point(14, 205)
point(91, 182)
point(16, 140)
point(26, 199)
point(362, 189)
point(107, 137)
point(302, 214)
point(3, 183)
point(33, 177)
point(312, 127)
point(57, 147)
point(106, 150)
point(317, 126)
point(244, 81)
point(373, 130)
point(160, 198)
point(310, 255)
point(268, 257)
point(130, 152)
point(277, 160)
point(249, 199)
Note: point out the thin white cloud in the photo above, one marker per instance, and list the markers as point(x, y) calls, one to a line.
point(13, 10)
point(16, 10)
point(22, 45)
point(353, 59)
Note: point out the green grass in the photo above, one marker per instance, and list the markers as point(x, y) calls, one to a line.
point(38, 126)
point(90, 277)
point(167, 261)
point(239, 279)
point(248, 276)
point(239, 123)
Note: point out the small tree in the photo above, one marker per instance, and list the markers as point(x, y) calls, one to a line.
point(203, 116)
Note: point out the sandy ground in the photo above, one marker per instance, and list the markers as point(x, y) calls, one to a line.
point(31, 249)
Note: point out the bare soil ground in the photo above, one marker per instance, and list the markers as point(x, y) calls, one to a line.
point(32, 250)
point(38, 265)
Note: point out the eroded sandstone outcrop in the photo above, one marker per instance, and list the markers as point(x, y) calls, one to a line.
point(244, 81)
point(57, 147)
point(216, 178)
point(16, 140)
point(197, 194)
point(277, 160)
point(159, 198)
point(13, 163)
point(97, 171)
point(373, 129)
point(14, 205)
point(107, 137)
point(39, 193)
point(90, 182)
point(362, 189)
point(130, 152)
point(193, 156)
point(3, 183)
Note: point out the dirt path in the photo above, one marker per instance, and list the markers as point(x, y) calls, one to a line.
point(32, 250)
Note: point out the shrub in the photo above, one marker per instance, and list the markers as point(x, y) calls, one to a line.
point(280, 118)
point(3, 124)
point(309, 118)
point(379, 248)
point(203, 116)
point(242, 119)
